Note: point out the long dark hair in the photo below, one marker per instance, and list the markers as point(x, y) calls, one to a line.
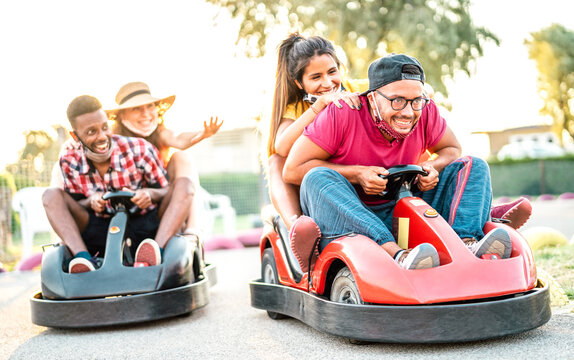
point(294, 55)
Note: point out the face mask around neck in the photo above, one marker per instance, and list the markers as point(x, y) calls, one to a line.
point(97, 157)
point(141, 132)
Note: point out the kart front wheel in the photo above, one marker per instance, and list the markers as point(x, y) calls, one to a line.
point(344, 289)
point(269, 276)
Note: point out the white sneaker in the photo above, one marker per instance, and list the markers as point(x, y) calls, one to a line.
point(423, 256)
point(497, 242)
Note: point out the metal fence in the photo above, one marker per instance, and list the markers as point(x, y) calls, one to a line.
point(247, 192)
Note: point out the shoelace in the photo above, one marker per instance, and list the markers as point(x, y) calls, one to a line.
point(403, 256)
point(470, 243)
point(96, 261)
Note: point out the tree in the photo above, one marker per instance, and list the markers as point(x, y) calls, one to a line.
point(551, 48)
point(37, 158)
point(440, 33)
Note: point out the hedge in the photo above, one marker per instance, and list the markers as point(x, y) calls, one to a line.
point(247, 191)
point(532, 177)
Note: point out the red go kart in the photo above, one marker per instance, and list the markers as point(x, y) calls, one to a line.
point(356, 290)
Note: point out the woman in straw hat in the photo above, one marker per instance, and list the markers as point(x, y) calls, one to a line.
point(139, 114)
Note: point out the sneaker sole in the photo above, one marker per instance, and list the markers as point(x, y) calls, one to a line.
point(425, 263)
point(497, 248)
point(516, 215)
point(79, 268)
point(498, 243)
point(147, 254)
point(302, 250)
point(425, 257)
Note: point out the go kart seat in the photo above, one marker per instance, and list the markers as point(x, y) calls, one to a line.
point(281, 229)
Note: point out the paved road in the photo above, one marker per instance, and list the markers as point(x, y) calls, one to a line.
point(557, 214)
point(229, 328)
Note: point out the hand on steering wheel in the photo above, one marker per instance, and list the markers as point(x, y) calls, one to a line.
point(401, 176)
point(429, 181)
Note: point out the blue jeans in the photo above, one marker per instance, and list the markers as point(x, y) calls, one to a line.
point(463, 197)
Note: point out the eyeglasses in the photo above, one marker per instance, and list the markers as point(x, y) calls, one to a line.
point(400, 103)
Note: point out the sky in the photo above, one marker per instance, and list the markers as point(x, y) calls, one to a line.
point(53, 51)
point(504, 72)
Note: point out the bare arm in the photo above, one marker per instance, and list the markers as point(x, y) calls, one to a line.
point(144, 198)
point(306, 155)
point(445, 151)
point(289, 131)
point(187, 139)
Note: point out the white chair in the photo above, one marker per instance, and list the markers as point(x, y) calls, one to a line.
point(27, 202)
point(212, 207)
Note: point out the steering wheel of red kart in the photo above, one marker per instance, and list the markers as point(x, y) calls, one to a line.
point(121, 201)
point(400, 180)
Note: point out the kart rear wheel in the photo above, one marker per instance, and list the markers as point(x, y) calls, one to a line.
point(344, 289)
point(269, 276)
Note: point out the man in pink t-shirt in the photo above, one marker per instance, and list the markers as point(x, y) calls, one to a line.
point(341, 156)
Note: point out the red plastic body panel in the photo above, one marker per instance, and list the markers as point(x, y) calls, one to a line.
point(284, 273)
point(461, 275)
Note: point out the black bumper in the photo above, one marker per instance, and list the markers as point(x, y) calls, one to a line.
point(109, 311)
point(468, 321)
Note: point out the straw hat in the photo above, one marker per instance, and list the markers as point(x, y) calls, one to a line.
point(136, 94)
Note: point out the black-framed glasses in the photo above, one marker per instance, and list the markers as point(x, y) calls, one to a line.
point(400, 102)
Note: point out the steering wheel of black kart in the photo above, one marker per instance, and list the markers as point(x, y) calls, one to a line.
point(121, 200)
point(398, 176)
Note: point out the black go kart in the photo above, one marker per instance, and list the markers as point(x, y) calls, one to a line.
point(117, 292)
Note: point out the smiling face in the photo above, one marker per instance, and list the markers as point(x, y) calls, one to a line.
point(401, 121)
point(143, 117)
point(321, 76)
point(93, 131)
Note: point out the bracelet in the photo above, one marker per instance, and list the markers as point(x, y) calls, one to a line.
point(312, 108)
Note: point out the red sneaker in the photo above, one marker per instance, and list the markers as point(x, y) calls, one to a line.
point(148, 252)
point(304, 234)
point(517, 212)
point(80, 265)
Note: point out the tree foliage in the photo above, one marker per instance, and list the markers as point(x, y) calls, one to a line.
point(440, 33)
point(36, 159)
point(39, 144)
point(553, 51)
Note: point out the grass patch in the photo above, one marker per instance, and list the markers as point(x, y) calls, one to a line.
point(557, 261)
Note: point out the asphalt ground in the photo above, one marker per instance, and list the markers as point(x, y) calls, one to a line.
point(229, 328)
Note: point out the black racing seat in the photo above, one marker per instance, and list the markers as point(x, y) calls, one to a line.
point(281, 229)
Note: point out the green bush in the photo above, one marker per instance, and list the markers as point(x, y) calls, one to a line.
point(7, 181)
point(532, 177)
point(247, 191)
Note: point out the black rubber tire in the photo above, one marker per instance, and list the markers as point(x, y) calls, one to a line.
point(269, 275)
point(344, 289)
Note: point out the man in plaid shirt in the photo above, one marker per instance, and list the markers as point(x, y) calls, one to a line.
point(106, 162)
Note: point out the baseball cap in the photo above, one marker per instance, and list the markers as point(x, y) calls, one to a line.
point(389, 69)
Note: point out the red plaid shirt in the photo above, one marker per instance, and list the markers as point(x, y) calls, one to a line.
point(134, 164)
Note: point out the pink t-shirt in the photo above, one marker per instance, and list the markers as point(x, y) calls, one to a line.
point(352, 138)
